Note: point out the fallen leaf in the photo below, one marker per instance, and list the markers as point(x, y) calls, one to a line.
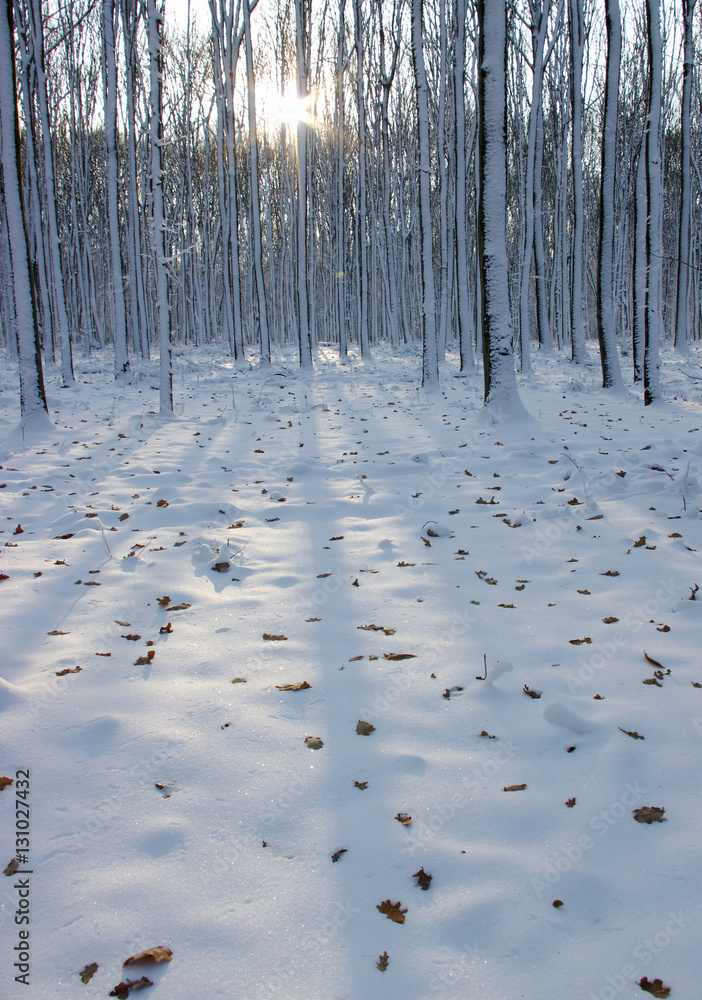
point(141, 661)
point(424, 879)
point(426, 541)
point(649, 814)
point(165, 629)
point(393, 911)
point(583, 591)
point(382, 962)
point(221, 567)
point(598, 697)
point(293, 687)
point(399, 656)
point(514, 788)
point(570, 802)
point(57, 632)
point(530, 692)
point(610, 620)
point(323, 576)
point(313, 619)
point(314, 742)
point(663, 628)
point(360, 784)
point(377, 628)
point(178, 607)
point(579, 642)
point(239, 680)
point(356, 583)
point(121, 990)
point(19, 530)
point(69, 535)
point(404, 818)
point(159, 954)
point(406, 564)
point(610, 572)
point(364, 728)
point(651, 660)
point(163, 601)
point(274, 638)
point(337, 854)
point(133, 636)
point(4, 782)
point(634, 735)
point(557, 903)
point(162, 503)
point(656, 987)
point(336, 538)
point(88, 972)
point(11, 868)
point(484, 732)
point(68, 670)
point(639, 542)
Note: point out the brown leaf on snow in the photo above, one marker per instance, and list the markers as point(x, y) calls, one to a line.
point(484, 732)
point(651, 660)
point(639, 542)
point(530, 692)
point(121, 990)
point(163, 601)
point(313, 619)
point(274, 638)
point(610, 620)
point(377, 628)
point(649, 814)
point(337, 854)
point(178, 607)
point(4, 782)
point(68, 670)
point(323, 576)
point(57, 632)
point(141, 661)
point(610, 572)
point(19, 530)
point(399, 656)
point(11, 868)
point(514, 788)
point(382, 962)
point(652, 680)
point(88, 972)
point(663, 628)
point(406, 564)
point(293, 687)
point(360, 784)
point(221, 567)
point(392, 911)
point(364, 728)
point(165, 629)
point(314, 742)
point(162, 503)
point(158, 954)
point(655, 988)
point(239, 680)
point(634, 735)
point(579, 642)
point(423, 878)
point(404, 818)
point(570, 802)
point(132, 635)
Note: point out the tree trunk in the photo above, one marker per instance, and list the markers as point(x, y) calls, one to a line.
point(654, 193)
point(682, 338)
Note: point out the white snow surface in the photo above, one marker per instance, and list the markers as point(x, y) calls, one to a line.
point(316, 490)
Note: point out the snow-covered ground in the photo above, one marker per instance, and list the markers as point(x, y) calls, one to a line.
point(164, 552)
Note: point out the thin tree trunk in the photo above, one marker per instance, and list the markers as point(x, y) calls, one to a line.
point(654, 192)
point(577, 310)
point(682, 337)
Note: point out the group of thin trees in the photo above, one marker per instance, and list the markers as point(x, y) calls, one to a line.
point(482, 179)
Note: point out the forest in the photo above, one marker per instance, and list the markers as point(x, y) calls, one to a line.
point(286, 174)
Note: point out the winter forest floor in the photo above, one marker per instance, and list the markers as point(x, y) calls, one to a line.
point(375, 541)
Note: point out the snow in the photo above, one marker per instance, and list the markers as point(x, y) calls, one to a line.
point(527, 521)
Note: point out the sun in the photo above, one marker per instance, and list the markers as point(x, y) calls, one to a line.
point(284, 108)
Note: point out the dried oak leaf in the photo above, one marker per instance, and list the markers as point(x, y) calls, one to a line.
point(68, 670)
point(239, 680)
point(392, 911)
point(221, 567)
point(406, 564)
point(364, 728)
point(57, 632)
point(162, 503)
point(133, 636)
point(649, 814)
point(655, 988)
point(570, 802)
point(610, 572)
point(651, 660)
point(514, 788)
point(158, 954)
point(377, 628)
point(11, 868)
point(404, 818)
point(274, 638)
point(531, 692)
point(88, 972)
point(610, 620)
point(4, 782)
point(314, 742)
point(163, 601)
point(121, 990)
point(634, 735)
point(337, 854)
point(557, 903)
point(484, 732)
point(141, 661)
point(165, 629)
point(360, 784)
point(423, 878)
point(293, 687)
point(639, 542)
point(382, 962)
point(652, 680)
point(399, 656)
point(579, 642)
point(313, 619)
point(178, 607)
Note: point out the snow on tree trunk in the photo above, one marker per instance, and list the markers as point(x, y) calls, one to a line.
point(682, 338)
point(430, 361)
point(303, 313)
point(654, 192)
point(577, 304)
point(606, 330)
point(465, 322)
point(32, 394)
point(119, 316)
point(501, 393)
point(158, 228)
